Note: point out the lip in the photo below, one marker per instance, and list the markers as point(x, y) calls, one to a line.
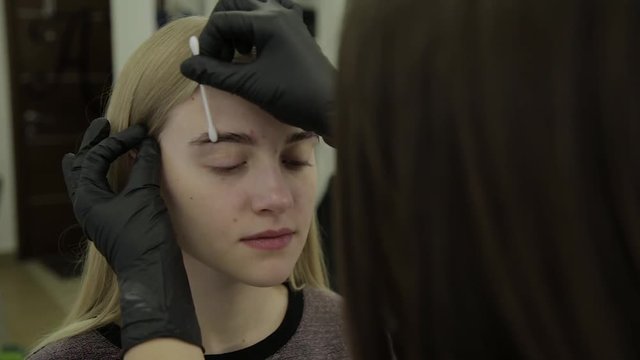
point(269, 234)
point(270, 239)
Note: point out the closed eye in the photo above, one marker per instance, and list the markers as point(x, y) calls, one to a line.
point(227, 170)
point(295, 164)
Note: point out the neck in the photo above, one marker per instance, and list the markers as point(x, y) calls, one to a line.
point(232, 315)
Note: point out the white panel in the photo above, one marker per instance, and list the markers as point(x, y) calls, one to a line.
point(8, 214)
point(132, 22)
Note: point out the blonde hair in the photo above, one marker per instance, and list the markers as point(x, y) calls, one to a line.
point(149, 86)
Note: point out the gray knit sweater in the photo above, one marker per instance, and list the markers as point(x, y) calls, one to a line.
point(312, 329)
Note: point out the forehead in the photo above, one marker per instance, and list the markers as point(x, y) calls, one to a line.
point(229, 113)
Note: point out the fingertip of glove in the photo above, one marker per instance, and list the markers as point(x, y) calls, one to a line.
point(149, 146)
point(139, 130)
point(195, 67)
point(149, 141)
point(187, 68)
point(98, 129)
point(68, 159)
point(140, 127)
point(101, 121)
point(101, 126)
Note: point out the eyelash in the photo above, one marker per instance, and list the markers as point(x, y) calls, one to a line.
point(294, 165)
point(229, 169)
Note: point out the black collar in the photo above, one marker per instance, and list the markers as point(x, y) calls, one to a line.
point(261, 350)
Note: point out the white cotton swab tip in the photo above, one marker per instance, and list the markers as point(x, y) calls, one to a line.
point(194, 45)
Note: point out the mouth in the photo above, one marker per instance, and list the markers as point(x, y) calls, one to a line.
point(270, 239)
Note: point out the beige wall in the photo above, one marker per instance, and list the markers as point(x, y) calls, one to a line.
point(329, 25)
point(8, 217)
point(132, 22)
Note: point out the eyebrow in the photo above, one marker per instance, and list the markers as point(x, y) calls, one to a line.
point(300, 136)
point(237, 138)
point(246, 139)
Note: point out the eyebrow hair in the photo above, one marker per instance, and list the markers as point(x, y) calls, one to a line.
point(300, 136)
point(246, 139)
point(237, 138)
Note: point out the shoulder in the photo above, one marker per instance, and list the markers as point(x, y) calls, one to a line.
point(320, 334)
point(322, 317)
point(322, 304)
point(89, 345)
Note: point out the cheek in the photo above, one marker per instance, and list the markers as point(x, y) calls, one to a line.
point(304, 188)
point(199, 207)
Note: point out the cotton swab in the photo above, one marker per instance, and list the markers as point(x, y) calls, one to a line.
point(213, 134)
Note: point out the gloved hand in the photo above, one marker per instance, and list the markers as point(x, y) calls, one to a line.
point(133, 231)
point(291, 78)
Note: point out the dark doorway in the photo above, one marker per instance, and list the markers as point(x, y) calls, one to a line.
point(60, 66)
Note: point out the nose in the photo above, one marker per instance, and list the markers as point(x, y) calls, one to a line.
point(272, 193)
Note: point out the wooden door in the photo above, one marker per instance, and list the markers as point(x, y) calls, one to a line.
point(60, 66)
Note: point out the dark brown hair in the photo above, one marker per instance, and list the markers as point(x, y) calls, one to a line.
point(489, 178)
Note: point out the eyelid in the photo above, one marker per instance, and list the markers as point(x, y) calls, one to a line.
point(298, 162)
point(228, 169)
point(222, 154)
point(294, 157)
point(313, 141)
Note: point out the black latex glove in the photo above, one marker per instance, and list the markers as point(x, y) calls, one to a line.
point(291, 78)
point(133, 231)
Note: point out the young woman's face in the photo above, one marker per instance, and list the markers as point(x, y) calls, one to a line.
point(243, 205)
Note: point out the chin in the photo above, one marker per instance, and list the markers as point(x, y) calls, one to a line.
point(260, 277)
